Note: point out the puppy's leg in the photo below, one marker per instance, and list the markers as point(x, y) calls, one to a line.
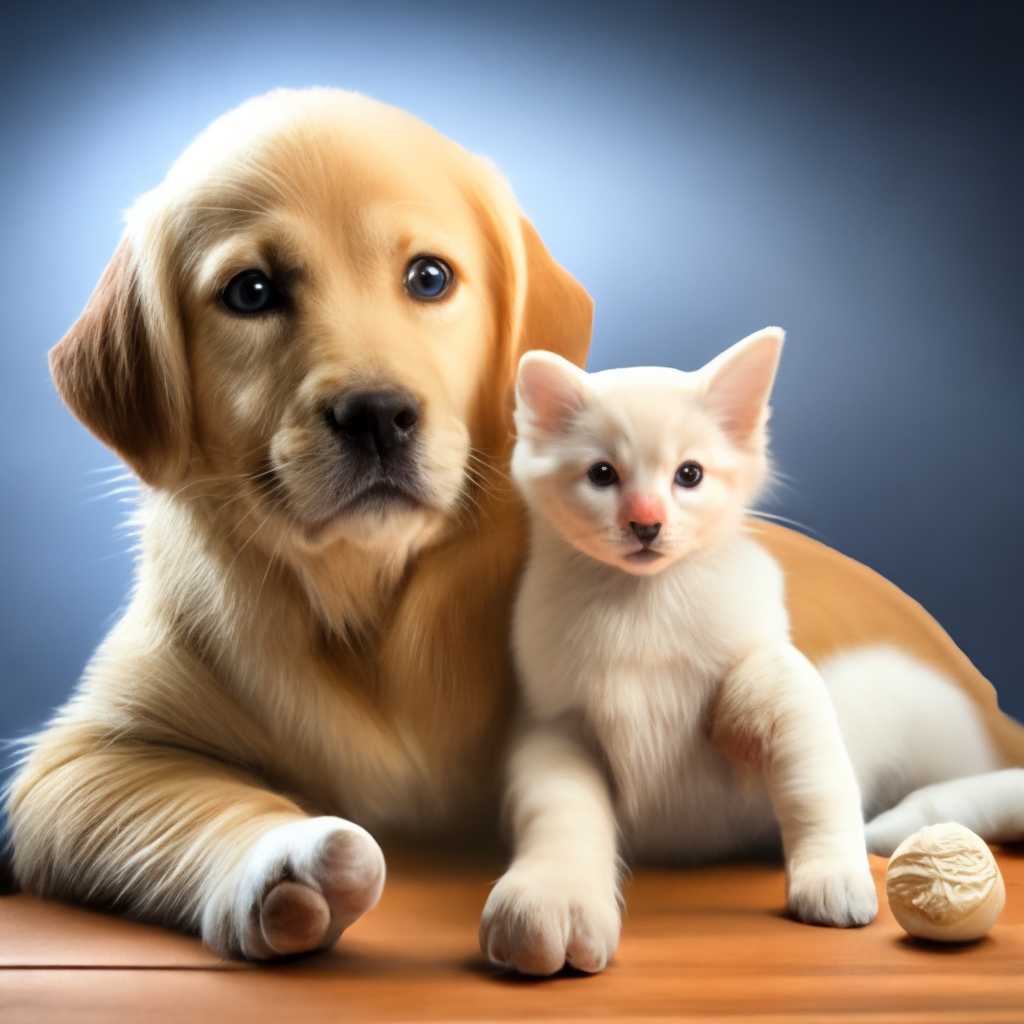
point(775, 708)
point(170, 836)
point(992, 805)
point(558, 903)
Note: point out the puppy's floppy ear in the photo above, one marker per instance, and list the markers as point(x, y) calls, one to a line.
point(558, 314)
point(539, 305)
point(555, 314)
point(116, 372)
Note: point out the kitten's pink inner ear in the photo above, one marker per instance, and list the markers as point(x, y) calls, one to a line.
point(740, 383)
point(549, 389)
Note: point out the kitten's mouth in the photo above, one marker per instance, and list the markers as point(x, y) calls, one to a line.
point(643, 556)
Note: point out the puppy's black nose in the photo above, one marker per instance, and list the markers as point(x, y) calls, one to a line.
point(645, 532)
point(375, 421)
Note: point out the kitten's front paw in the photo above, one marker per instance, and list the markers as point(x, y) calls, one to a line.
point(538, 920)
point(297, 890)
point(827, 891)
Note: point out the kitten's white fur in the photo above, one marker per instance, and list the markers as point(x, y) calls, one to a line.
point(665, 709)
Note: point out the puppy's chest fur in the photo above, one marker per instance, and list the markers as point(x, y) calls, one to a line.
point(394, 727)
point(637, 663)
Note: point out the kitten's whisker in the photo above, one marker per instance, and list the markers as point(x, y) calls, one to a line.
point(803, 527)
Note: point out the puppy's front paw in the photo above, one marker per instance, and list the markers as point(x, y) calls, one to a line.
point(297, 890)
point(833, 892)
point(538, 920)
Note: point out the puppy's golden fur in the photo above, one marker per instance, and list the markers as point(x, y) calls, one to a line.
point(276, 643)
point(287, 653)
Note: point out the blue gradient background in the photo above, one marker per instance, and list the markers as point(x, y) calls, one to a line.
point(849, 171)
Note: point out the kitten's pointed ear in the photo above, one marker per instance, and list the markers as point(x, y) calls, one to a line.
point(549, 389)
point(739, 382)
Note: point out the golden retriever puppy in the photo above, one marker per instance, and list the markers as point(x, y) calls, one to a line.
point(304, 346)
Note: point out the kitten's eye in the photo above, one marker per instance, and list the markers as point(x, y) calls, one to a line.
point(602, 475)
point(251, 292)
point(428, 278)
point(689, 474)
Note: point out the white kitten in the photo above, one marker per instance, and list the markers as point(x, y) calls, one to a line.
point(664, 699)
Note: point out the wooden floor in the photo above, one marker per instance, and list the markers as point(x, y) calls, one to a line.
point(698, 945)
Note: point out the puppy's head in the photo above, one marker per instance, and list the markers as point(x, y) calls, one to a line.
point(319, 314)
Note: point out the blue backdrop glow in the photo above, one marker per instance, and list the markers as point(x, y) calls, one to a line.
point(849, 171)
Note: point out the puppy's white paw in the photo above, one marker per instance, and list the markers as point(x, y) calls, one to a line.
point(831, 891)
point(298, 888)
point(538, 919)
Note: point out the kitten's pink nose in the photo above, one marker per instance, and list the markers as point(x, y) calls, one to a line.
point(642, 509)
point(645, 532)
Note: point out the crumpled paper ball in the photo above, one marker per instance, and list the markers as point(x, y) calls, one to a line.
point(944, 884)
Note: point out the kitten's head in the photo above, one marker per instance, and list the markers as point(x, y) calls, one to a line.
point(643, 466)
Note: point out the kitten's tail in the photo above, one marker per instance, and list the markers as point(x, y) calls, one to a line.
point(992, 805)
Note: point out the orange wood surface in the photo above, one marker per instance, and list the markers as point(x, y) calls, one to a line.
point(709, 944)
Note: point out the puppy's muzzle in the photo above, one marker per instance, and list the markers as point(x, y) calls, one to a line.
point(380, 424)
point(377, 433)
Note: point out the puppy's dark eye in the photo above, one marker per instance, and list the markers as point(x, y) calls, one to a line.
point(689, 474)
point(428, 278)
point(602, 475)
point(251, 292)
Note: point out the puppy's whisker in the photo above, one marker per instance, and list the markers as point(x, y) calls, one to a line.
point(482, 465)
point(497, 493)
point(479, 484)
point(224, 503)
point(219, 478)
point(241, 522)
point(271, 563)
point(247, 541)
point(488, 462)
point(233, 455)
point(467, 504)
